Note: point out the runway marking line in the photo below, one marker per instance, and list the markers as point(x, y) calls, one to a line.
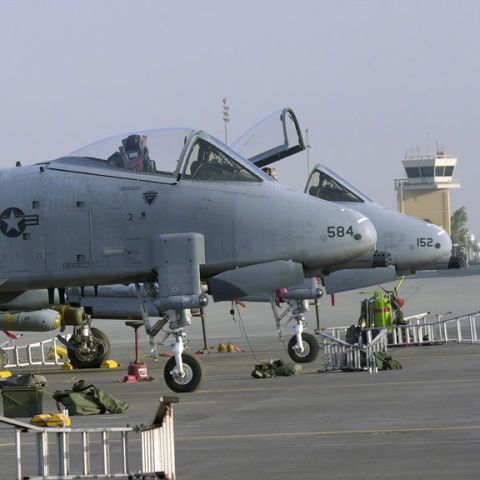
point(329, 433)
point(351, 385)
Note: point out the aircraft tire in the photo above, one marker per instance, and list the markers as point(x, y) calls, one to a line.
point(310, 345)
point(95, 358)
point(194, 374)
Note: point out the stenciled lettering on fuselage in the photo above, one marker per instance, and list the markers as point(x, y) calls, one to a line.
point(13, 221)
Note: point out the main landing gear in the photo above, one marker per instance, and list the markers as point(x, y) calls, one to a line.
point(183, 372)
point(88, 347)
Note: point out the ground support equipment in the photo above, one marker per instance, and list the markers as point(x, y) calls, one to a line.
point(419, 330)
point(144, 452)
point(341, 355)
point(38, 353)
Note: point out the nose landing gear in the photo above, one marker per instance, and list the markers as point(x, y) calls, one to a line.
point(302, 347)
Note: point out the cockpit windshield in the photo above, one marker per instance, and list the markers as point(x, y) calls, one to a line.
point(208, 162)
point(327, 185)
point(153, 151)
point(174, 152)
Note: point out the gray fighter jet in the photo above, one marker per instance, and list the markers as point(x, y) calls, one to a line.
point(174, 209)
point(409, 243)
point(412, 244)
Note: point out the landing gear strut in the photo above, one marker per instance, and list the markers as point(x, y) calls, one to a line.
point(183, 372)
point(303, 347)
point(178, 289)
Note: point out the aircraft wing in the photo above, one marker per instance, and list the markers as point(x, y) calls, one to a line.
point(273, 138)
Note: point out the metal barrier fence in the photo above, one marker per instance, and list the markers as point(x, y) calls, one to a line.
point(38, 353)
point(341, 355)
point(144, 452)
point(418, 330)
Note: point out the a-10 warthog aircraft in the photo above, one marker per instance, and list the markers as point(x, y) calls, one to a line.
point(412, 244)
point(175, 209)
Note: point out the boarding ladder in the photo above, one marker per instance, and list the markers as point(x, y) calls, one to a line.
point(341, 355)
point(38, 353)
point(142, 452)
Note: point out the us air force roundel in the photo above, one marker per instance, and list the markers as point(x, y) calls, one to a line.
point(150, 197)
point(13, 221)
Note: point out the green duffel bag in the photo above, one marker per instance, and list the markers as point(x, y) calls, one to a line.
point(110, 403)
point(89, 400)
point(78, 403)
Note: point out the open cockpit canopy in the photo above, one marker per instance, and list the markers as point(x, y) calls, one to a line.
point(273, 138)
point(325, 184)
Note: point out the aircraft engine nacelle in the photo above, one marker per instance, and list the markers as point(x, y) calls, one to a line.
point(35, 321)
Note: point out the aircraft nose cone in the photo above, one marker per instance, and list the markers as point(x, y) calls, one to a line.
point(366, 234)
point(443, 242)
point(349, 235)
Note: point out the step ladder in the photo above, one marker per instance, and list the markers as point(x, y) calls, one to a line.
point(142, 452)
point(38, 353)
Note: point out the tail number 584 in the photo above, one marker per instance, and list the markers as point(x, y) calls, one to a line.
point(339, 231)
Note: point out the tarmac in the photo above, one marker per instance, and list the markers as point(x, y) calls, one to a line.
point(421, 422)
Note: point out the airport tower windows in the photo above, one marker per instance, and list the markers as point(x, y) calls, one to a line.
point(426, 171)
point(413, 172)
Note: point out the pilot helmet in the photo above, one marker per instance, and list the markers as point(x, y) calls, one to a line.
point(135, 144)
point(136, 150)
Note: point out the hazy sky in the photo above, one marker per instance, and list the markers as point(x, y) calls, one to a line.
point(369, 79)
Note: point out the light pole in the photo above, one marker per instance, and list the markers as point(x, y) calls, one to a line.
point(226, 117)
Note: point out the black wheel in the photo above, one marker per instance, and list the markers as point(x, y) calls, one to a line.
point(99, 351)
point(193, 374)
point(310, 349)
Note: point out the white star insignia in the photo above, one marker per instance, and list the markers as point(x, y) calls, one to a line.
point(12, 222)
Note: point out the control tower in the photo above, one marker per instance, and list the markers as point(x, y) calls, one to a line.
point(425, 193)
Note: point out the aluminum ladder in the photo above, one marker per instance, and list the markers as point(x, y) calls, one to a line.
point(142, 452)
point(419, 330)
point(32, 354)
point(341, 355)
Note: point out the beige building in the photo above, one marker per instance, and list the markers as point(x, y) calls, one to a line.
point(425, 193)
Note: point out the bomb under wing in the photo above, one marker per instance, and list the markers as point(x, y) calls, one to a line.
point(34, 321)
